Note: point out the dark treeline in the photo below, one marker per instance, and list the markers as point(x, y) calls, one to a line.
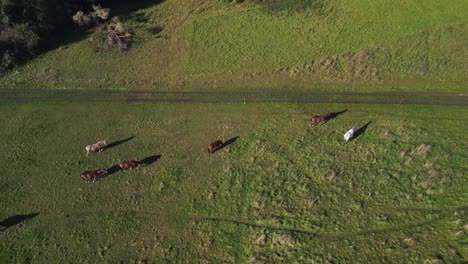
point(25, 24)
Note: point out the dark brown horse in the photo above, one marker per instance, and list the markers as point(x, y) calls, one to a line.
point(215, 146)
point(129, 164)
point(319, 119)
point(92, 175)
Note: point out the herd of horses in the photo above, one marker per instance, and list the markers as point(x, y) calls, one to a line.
point(212, 148)
point(94, 174)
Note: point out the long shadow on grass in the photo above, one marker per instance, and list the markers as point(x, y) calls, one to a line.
point(122, 8)
point(323, 235)
point(360, 131)
point(150, 160)
point(15, 220)
point(110, 171)
point(336, 114)
point(226, 143)
point(67, 33)
point(116, 143)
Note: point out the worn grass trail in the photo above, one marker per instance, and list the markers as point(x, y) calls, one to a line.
point(397, 192)
point(105, 95)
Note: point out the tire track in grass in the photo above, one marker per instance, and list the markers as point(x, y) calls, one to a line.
point(444, 214)
point(233, 92)
point(232, 100)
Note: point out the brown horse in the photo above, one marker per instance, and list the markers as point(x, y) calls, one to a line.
point(319, 119)
point(129, 164)
point(215, 146)
point(92, 175)
point(95, 147)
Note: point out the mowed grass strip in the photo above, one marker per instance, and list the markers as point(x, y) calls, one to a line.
point(397, 192)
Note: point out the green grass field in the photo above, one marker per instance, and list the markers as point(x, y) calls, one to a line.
point(357, 45)
point(283, 192)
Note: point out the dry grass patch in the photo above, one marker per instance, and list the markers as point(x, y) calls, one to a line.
point(423, 150)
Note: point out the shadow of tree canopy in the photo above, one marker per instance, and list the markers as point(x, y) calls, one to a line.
point(126, 7)
point(294, 6)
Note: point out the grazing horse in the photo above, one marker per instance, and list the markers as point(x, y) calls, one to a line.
point(319, 119)
point(350, 134)
point(214, 146)
point(129, 164)
point(95, 147)
point(88, 175)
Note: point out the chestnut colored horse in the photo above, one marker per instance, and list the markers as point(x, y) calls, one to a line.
point(319, 119)
point(214, 146)
point(129, 164)
point(92, 175)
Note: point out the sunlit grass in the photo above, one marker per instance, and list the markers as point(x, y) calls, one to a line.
point(397, 192)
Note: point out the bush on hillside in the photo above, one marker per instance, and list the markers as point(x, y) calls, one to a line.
point(92, 18)
point(112, 36)
point(17, 44)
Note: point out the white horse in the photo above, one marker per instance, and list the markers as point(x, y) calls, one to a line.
point(95, 147)
point(349, 135)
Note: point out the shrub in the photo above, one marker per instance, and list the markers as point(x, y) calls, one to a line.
point(93, 18)
point(112, 36)
point(17, 44)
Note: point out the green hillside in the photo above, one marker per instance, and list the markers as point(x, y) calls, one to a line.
point(324, 44)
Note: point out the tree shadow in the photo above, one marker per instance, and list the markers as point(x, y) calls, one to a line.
point(126, 7)
point(227, 143)
point(156, 30)
point(150, 160)
point(67, 33)
point(116, 143)
point(15, 220)
point(360, 131)
point(294, 6)
point(336, 114)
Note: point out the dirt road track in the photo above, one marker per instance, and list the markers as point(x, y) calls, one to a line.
point(234, 100)
point(131, 96)
point(230, 92)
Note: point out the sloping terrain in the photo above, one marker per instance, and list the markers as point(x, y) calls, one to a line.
point(336, 45)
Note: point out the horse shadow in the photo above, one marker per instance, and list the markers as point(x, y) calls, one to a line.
point(227, 143)
point(146, 162)
point(116, 143)
point(150, 160)
point(112, 170)
point(360, 131)
point(15, 220)
point(336, 114)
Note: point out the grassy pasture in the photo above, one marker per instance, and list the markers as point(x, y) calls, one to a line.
point(326, 44)
point(282, 192)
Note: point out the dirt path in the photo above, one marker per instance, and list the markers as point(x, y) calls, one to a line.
point(245, 92)
point(97, 95)
point(233, 100)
